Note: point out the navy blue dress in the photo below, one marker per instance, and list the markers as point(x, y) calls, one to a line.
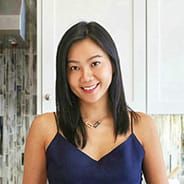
point(66, 164)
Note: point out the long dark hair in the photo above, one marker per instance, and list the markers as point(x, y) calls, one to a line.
point(67, 103)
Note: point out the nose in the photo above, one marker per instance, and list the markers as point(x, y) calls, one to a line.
point(87, 75)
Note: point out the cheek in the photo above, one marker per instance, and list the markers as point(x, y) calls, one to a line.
point(72, 80)
point(106, 73)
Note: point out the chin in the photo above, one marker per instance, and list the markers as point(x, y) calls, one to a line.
point(90, 101)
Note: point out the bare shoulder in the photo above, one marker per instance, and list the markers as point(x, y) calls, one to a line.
point(153, 165)
point(43, 127)
point(43, 120)
point(144, 122)
point(145, 128)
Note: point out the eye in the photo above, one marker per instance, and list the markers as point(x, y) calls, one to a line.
point(74, 68)
point(96, 63)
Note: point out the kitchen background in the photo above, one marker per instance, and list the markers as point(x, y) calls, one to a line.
point(18, 107)
point(17, 97)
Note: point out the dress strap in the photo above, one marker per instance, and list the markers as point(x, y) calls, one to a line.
point(131, 123)
point(57, 122)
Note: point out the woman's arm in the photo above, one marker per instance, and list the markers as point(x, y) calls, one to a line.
point(153, 165)
point(34, 156)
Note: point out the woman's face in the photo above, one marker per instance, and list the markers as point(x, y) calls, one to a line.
point(89, 71)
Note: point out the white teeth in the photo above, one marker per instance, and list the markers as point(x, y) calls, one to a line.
point(90, 88)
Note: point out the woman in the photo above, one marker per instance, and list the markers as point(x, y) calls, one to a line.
point(93, 137)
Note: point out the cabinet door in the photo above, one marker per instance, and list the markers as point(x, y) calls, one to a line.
point(165, 56)
point(124, 19)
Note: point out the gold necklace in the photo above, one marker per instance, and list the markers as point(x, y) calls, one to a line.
point(92, 125)
point(95, 124)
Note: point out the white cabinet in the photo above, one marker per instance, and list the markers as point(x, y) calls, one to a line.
point(124, 19)
point(165, 56)
point(150, 40)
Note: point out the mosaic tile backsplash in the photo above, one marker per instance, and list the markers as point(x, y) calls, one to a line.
point(17, 109)
point(17, 99)
point(171, 132)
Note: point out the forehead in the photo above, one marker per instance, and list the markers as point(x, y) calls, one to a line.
point(86, 47)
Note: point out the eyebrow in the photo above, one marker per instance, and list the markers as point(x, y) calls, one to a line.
point(90, 58)
point(95, 56)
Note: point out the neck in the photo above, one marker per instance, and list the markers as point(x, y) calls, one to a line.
point(95, 111)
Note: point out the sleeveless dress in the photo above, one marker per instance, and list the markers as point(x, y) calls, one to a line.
point(66, 164)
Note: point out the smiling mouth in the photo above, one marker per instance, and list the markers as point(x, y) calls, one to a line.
point(90, 88)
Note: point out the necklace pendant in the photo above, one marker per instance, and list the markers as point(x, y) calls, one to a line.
point(95, 125)
point(89, 125)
